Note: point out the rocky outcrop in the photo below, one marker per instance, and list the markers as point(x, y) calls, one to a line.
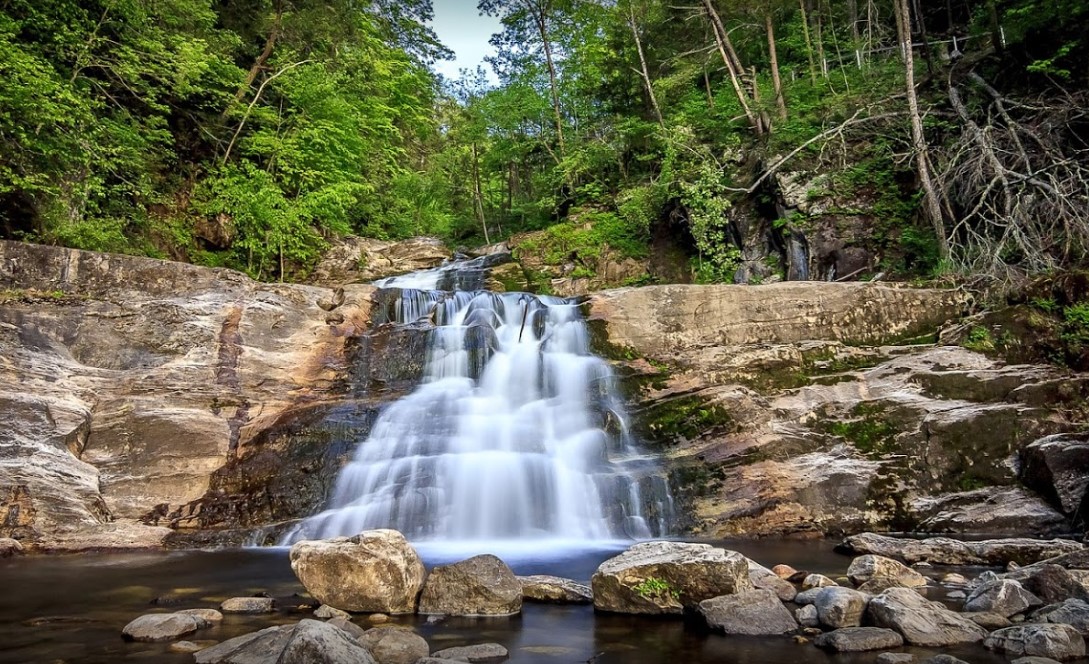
point(1059, 642)
point(878, 568)
point(1058, 467)
point(554, 590)
point(667, 577)
point(362, 260)
point(376, 571)
point(308, 642)
point(921, 622)
point(946, 551)
point(1002, 596)
point(480, 586)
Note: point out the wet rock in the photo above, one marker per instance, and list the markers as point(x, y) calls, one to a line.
point(1058, 467)
point(346, 624)
point(784, 572)
point(921, 622)
point(484, 652)
point(308, 642)
point(1052, 583)
point(1002, 596)
point(988, 620)
point(1073, 612)
point(943, 659)
point(355, 259)
point(163, 626)
point(840, 607)
point(859, 639)
point(666, 577)
point(895, 658)
point(878, 568)
point(554, 590)
point(954, 579)
point(1034, 660)
point(374, 571)
point(807, 597)
point(817, 581)
point(248, 605)
point(763, 578)
point(753, 612)
point(185, 647)
point(325, 612)
point(1060, 642)
point(479, 586)
point(211, 615)
point(393, 645)
point(1000, 510)
point(10, 547)
point(946, 551)
point(807, 616)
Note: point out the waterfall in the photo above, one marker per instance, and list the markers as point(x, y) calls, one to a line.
point(516, 432)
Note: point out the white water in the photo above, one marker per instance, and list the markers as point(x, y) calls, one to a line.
point(515, 434)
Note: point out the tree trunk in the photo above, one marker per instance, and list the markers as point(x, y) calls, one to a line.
point(258, 65)
point(919, 21)
point(735, 74)
point(852, 18)
point(478, 195)
point(643, 64)
point(931, 207)
point(542, 28)
point(780, 100)
point(808, 43)
point(996, 28)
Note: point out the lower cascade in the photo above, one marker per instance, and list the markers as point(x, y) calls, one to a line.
point(515, 433)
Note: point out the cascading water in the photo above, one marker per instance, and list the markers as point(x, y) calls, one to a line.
point(516, 432)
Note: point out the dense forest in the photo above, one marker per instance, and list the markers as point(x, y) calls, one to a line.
point(827, 139)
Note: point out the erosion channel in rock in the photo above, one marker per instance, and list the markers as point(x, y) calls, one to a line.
point(516, 434)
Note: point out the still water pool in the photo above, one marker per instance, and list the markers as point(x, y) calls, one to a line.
point(71, 608)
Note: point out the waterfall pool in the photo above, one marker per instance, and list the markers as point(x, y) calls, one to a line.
point(71, 608)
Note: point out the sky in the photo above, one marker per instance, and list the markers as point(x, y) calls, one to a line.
point(466, 33)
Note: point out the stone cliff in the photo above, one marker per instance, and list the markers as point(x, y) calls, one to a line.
point(149, 403)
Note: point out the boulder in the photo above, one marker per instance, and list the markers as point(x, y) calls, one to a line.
point(921, 622)
point(946, 551)
point(346, 624)
point(394, 645)
point(859, 639)
point(1002, 596)
point(840, 607)
point(807, 616)
point(879, 568)
point(1034, 660)
point(163, 626)
point(1058, 467)
point(1073, 612)
point(248, 605)
point(784, 572)
point(765, 579)
point(988, 620)
point(376, 571)
point(211, 615)
point(325, 612)
point(185, 647)
point(752, 612)
point(480, 586)
point(1052, 583)
point(10, 547)
point(308, 642)
point(554, 590)
point(484, 652)
point(812, 581)
point(666, 577)
point(895, 658)
point(1060, 642)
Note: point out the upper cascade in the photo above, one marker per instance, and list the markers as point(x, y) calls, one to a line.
point(516, 431)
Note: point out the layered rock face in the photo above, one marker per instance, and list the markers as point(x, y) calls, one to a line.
point(805, 408)
point(140, 394)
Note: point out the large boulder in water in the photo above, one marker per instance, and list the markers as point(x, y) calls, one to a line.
point(479, 586)
point(753, 612)
point(1059, 642)
point(921, 622)
point(308, 642)
point(666, 577)
point(377, 571)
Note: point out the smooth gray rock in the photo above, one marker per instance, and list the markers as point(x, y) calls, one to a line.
point(859, 639)
point(326, 612)
point(765, 579)
point(211, 615)
point(807, 597)
point(755, 612)
point(163, 626)
point(394, 645)
point(1034, 660)
point(683, 575)
point(1052, 584)
point(921, 622)
point(947, 551)
point(1073, 612)
point(895, 658)
point(308, 642)
point(484, 652)
point(554, 590)
point(807, 616)
point(817, 581)
point(943, 659)
point(478, 586)
point(1060, 642)
point(353, 630)
point(988, 620)
point(885, 570)
point(248, 605)
point(1003, 596)
point(840, 607)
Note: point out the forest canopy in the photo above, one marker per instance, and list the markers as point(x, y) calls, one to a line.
point(251, 133)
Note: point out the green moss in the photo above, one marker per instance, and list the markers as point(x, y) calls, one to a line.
point(979, 339)
point(869, 430)
point(676, 420)
point(33, 296)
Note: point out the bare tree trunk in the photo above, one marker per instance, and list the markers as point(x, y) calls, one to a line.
point(852, 18)
point(931, 206)
point(808, 42)
point(258, 65)
point(735, 74)
point(707, 87)
point(996, 28)
point(643, 64)
point(542, 28)
point(818, 22)
point(479, 196)
point(921, 23)
point(780, 100)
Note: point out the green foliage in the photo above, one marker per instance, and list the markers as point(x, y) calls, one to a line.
point(654, 588)
point(979, 339)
